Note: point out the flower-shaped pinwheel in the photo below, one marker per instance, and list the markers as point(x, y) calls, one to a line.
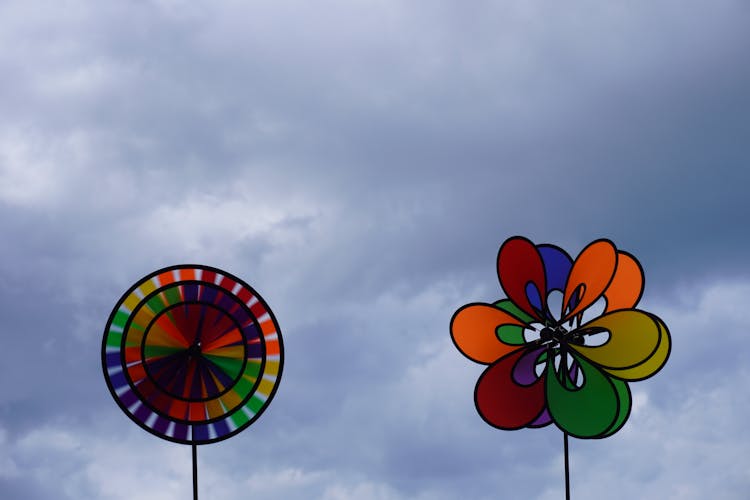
point(561, 366)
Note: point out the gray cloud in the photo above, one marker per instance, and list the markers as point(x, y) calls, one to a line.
point(359, 164)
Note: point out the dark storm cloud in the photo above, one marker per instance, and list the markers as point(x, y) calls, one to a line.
point(359, 164)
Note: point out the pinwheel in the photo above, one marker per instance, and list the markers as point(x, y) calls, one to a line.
point(564, 343)
point(192, 354)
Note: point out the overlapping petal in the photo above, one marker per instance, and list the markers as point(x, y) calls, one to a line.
point(598, 408)
point(512, 334)
point(652, 364)
point(509, 395)
point(521, 272)
point(474, 331)
point(626, 287)
point(637, 347)
point(557, 265)
point(589, 277)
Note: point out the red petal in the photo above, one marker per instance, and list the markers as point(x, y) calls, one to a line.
point(504, 403)
point(518, 264)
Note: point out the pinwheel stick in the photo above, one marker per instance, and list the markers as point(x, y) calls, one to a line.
point(567, 467)
point(195, 470)
point(564, 369)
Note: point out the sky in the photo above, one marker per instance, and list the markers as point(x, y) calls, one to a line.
point(359, 163)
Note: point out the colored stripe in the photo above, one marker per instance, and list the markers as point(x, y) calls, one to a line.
point(200, 432)
point(120, 319)
point(244, 295)
point(180, 431)
point(273, 347)
point(112, 359)
point(118, 380)
point(265, 387)
point(196, 411)
point(221, 428)
point(128, 398)
point(227, 284)
point(166, 278)
point(142, 413)
point(147, 287)
point(255, 404)
point(271, 368)
point(214, 409)
point(258, 310)
point(160, 425)
point(239, 418)
point(268, 328)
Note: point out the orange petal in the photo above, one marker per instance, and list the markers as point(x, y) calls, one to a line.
point(591, 274)
point(474, 331)
point(626, 287)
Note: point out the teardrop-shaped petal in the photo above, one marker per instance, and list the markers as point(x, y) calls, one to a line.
point(652, 364)
point(635, 339)
point(557, 265)
point(623, 409)
point(542, 420)
point(503, 401)
point(519, 266)
point(626, 287)
point(590, 276)
point(596, 409)
point(512, 334)
point(474, 331)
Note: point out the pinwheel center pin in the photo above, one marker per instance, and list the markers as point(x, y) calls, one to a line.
point(194, 350)
point(554, 336)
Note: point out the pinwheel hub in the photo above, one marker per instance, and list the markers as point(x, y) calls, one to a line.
point(195, 349)
point(557, 334)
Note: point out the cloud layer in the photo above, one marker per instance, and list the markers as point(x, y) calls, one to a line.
point(359, 164)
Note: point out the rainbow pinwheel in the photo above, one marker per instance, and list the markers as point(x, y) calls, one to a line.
point(193, 355)
point(558, 363)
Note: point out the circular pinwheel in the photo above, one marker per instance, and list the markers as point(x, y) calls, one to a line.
point(192, 354)
point(563, 345)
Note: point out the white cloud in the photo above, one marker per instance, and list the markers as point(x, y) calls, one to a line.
point(34, 169)
point(8, 467)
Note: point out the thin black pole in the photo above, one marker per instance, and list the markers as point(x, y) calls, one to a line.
point(565, 381)
point(567, 467)
point(195, 470)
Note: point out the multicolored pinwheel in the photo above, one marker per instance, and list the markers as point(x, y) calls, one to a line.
point(561, 364)
point(192, 354)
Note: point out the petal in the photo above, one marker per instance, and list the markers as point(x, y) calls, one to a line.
point(520, 266)
point(623, 409)
point(626, 287)
point(502, 401)
point(591, 274)
point(596, 409)
point(512, 334)
point(652, 364)
point(474, 331)
point(637, 347)
point(557, 265)
point(544, 419)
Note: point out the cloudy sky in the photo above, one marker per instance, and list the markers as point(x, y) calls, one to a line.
point(359, 162)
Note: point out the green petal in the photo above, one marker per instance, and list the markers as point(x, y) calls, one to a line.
point(595, 410)
point(512, 334)
point(623, 394)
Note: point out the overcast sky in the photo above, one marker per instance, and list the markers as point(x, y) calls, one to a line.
point(359, 163)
